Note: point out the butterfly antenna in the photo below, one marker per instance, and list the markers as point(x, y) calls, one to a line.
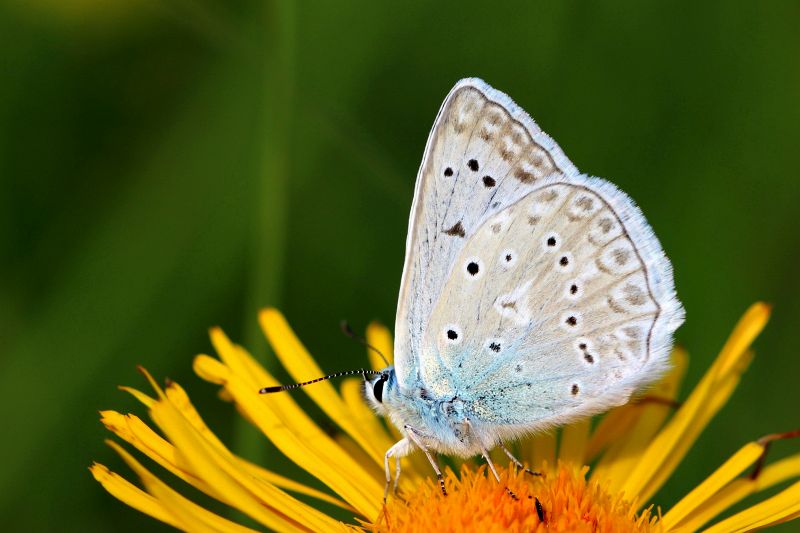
point(280, 388)
point(347, 330)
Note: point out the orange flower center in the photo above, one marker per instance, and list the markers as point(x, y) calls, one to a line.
point(477, 502)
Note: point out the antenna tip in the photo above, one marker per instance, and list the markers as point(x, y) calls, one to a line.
point(265, 390)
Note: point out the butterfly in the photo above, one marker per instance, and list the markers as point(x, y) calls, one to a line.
point(532, 295)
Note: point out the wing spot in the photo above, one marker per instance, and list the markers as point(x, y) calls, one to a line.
point(589, 358)
point(524, 176)
point(575, 389)
point(548, 196)
point(571, 321)
point(533, 220)
point(573, 289)
point(634, 295)
point(605, 225)
point(551, 241)
point(496, 228)
point(484, 134)
point(457, 230)
point(495, 346)
point(473, 268)
point(615, 306)
point(585, 203)
point(452, 335)
point(632, 331)
point(508, 258)
point(518, 368)
point(489, 181)
point(473, 165)
point(564, 261)
point(621, 256)
point(448, 172)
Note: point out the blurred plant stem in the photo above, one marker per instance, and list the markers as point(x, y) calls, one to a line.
point(267, 233)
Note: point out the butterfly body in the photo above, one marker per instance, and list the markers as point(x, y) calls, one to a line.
point(532, 295)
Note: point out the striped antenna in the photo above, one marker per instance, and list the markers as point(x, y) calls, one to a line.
point(280, 388)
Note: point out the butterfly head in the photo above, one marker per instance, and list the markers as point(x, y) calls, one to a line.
point(378, 387)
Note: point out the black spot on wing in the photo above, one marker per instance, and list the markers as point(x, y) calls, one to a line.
point(456, 231)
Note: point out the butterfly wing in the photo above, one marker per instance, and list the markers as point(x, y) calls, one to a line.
point(534, 292)
point(483, 153)
point(571, 309)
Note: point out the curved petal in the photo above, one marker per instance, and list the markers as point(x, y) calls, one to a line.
point(632, 429)
point(739, 489)
point(669, 447)
point(734, 466)
point(131, 495)
point(301, 366)
point(780, 508)
point(293, 432)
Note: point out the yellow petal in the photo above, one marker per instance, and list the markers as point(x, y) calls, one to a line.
point(302, 367)
point(739, 489)
point(379, 336)
point(669, 447)
point(714, 402)
point(734, 466)
point(782, 507)
point(190, 516)
point(743, 335)
point(142, 397)
point(635, 431)
point(542, 448)
point(295, 434)
point(134, 431)
point(214, 464)
point(574, 438)
point(364, 417)
point(131, 495)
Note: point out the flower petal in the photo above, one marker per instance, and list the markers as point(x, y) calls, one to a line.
point(780, 508)
point(634, 427)
point(739, 489)
point(379, 336)
point(746, 456)
point(190, 516)
point(134, 431)
point(292, 431)
point(301, 366)
point(131, 495)
point(574, 438)
point(669, 447)
point(540, 449)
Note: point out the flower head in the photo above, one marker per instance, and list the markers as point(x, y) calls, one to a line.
point(633, 450)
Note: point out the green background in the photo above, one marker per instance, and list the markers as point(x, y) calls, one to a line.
point(168, 166)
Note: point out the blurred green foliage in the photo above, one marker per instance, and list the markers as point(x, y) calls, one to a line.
point(168, 166)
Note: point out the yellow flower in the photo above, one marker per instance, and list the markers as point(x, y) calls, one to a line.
point(632, 451)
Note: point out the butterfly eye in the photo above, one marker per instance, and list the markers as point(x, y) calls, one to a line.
point(377, 389)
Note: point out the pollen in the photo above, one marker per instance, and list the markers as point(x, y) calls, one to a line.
point(477, 502)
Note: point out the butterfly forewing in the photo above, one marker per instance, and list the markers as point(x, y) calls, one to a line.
point(529, 290)
point(483, 154)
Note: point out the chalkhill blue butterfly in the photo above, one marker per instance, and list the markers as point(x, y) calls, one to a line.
point(532, 295)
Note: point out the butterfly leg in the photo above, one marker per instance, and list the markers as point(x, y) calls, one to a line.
point(398, 450)
point(489, 462)
point(415, 436)
point(517, 461)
